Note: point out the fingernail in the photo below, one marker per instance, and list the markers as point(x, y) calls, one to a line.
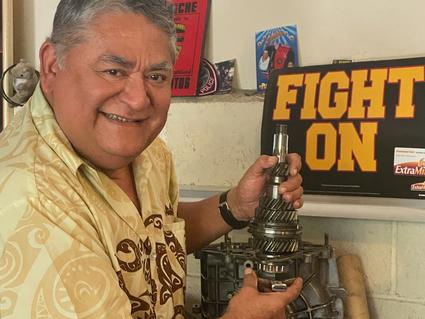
point(294, 172)
point(248, 270)
point(299, 281)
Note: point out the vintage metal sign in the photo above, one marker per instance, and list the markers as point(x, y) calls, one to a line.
point(190, 17)
point(360, 127)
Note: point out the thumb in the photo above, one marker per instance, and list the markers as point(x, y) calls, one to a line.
point(261, 164)
point(293, 291)
point(250, 278)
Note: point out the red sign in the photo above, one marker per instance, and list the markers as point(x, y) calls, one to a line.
point(190, 18)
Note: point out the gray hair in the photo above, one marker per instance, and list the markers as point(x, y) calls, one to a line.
point(73, 18)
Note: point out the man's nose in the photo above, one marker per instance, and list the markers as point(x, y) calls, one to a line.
point(135, 93)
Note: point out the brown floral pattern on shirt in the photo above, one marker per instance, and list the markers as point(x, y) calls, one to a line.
point(137, 304)
point(176, 248)
point(147, 271)
point(168, 278)
point(130, 248)
point(154, 219)
point(179, 312)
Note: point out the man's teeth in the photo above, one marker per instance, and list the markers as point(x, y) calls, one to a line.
point(118, 118)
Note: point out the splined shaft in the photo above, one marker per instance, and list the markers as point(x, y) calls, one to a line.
point(276, 233)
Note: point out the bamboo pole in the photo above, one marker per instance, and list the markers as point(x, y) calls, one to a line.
point(352, 279)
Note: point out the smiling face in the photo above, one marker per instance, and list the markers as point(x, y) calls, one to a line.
point(112, 95)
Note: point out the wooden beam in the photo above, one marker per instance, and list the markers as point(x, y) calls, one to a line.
point(7, 51)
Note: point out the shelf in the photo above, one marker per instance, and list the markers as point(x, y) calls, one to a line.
point(239, 96)
point(372, 208)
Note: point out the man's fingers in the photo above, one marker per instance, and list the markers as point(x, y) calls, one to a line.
point(293, 291)
point(294, 195)
point(250, 278)
point(266, 161)
point(295, 163)
point(291, 184)
point(298, 203)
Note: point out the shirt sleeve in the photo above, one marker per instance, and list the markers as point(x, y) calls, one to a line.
point(52, 268)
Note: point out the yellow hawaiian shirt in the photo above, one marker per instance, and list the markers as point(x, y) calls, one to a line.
point(72, 244)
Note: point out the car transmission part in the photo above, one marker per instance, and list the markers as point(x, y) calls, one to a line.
point(277, 253)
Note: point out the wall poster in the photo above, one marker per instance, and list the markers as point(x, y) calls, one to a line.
point(275, 49)
point(190, 17)
point(359, 127)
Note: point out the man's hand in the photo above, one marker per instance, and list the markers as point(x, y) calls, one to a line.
point(243, 199)
point(204, 223)
point(248, 303)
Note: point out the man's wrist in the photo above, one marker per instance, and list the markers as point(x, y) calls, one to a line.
point(234, 205)
point(227, 213)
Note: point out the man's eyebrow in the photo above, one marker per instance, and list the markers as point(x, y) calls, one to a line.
point(123, 62)
point(162, 66)
point(115, 59)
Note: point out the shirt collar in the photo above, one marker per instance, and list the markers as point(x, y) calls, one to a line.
point(49, 130)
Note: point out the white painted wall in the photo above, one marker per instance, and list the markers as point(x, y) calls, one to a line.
point(199, 130)
point(327, 29)
point(33, 24)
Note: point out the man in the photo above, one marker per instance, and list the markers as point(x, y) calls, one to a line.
point(263, 63)
point(91, 226)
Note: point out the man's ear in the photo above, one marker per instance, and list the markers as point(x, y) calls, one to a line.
point(48, 66)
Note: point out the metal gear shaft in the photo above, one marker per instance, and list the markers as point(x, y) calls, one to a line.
point(276, 233)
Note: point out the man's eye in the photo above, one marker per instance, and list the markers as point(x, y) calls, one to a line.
point(157, 77)
point(114, 72)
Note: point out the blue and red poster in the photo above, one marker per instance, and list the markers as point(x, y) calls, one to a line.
point(275, 49)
